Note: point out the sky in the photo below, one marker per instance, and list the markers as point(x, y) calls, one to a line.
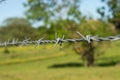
point(11, 8)
point(15, 8)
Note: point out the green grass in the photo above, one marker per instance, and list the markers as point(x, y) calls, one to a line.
point(67, 66)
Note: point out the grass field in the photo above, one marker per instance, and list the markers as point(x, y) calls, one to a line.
point(50, 63)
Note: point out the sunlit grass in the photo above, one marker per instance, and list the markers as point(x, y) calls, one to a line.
point(65, 66)
point(29, 53)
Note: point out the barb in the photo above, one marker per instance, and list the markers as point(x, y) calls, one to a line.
point(25, 42)
point(88, 38)
point(39, 41)
point(60, 41)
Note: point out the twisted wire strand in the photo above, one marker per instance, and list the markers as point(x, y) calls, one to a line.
point(60, 41)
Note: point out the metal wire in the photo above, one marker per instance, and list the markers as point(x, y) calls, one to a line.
point(60, 41)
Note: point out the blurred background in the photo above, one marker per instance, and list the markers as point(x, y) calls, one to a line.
point(44, 18)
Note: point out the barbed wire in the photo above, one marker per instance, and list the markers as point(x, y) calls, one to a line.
point(60, 41)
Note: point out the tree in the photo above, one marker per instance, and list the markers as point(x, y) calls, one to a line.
point(87, 51)
point(17, 28)
point(64, 17)
point(51, 10)
point(113, 9)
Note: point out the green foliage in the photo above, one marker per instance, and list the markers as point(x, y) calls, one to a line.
point(52, 10)
point(70, 27)
point(18, 28)
point(114, 9)
point(96, 28)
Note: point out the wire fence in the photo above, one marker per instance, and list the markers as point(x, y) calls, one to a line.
point(58, 40)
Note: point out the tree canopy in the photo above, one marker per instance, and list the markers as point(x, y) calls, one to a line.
point(113, 9)
point(52, 10)
point(16, 28)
